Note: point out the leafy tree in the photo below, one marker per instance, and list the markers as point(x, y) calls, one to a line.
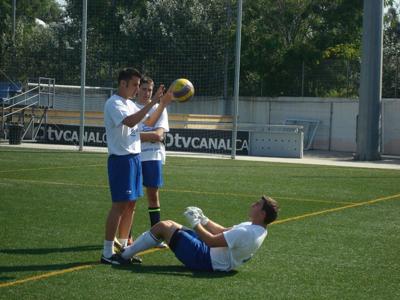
point(281, 35)
point(17, 57)
point(391, 51)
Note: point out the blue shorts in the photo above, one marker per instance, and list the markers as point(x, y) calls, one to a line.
point(125, 177)
point(152, 173)
point(191, 250)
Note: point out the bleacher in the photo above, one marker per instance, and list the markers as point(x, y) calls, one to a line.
point(192, 121)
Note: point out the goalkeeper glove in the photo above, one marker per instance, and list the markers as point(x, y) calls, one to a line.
point(192, 218)
point(203, 219)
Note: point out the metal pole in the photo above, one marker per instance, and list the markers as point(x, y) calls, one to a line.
point(371, 82)
point(237, 77)
point(226, 57)
point(14, 9)
point(397, 76)
point(111, 60)
point(83, 74)
point(302, 79)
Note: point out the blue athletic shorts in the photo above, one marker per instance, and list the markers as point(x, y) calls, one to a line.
point(191, 250)
point(152, 173)
point(125, 177)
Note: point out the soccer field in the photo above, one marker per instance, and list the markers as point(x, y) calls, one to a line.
point(337, 235)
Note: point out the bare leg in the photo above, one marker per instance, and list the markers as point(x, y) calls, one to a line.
point(161, 231)
point(165, 229)
point(126, 220)
point(114, 218)
point(153, 197)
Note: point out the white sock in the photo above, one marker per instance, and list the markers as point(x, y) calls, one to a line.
point(108, 250)
point(146, 241)
point(123, 242)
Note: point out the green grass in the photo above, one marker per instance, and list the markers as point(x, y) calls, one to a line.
point(53, 207)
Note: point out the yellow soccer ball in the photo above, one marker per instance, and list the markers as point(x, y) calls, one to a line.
point(182, 90)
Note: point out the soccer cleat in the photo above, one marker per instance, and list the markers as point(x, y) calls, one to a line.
point(109, 260)
point(123, 261)
point(117, 259)
point(136, 260)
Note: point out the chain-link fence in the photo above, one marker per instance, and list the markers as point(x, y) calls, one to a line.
point(165, 40)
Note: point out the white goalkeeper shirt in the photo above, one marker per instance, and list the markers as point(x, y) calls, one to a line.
point(154, 151)
point(243, 241)
point(121, 139)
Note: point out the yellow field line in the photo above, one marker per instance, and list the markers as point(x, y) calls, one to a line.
point(61, 272)
point(250, 195)
point(172, 190)
point(50, 168)
point(55, 182)
point(336, 209)
point(73, 269)
point(46, 275)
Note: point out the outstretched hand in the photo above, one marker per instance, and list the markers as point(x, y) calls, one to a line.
point(167, 97)
point(158, 94)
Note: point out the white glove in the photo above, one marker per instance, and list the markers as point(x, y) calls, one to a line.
point(192, 218)
point(203, 219)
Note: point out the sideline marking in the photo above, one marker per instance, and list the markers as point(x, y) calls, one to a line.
point(336, 209)
point(173, 191)
point(50, 168)
point(252, 195)
point(46, 275)
point(55, 182)
point(69, 270)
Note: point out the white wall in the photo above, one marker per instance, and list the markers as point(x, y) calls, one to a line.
point(391, 126)
point(344, 118)
point(337, 116)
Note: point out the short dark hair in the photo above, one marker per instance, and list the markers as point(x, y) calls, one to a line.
point(271, 209)
point(146, 80)
point(126, 74)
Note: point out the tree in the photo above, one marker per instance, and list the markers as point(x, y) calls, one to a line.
point(16, 57)
point(391, 53)
point(279, 36)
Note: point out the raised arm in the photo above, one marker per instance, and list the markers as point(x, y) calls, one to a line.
point(164, 101)
point(209, 225)
point(135, 118)
point(213, 235)
point(214, 227)
point(212, 240)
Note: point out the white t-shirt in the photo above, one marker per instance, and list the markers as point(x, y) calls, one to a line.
point(243, 241)
point(121, 139)
point(154, 151)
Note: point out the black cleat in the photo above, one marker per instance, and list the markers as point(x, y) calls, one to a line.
point(115, 259)
point(136, 259)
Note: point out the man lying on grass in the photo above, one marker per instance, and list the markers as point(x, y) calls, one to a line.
point(209, 246)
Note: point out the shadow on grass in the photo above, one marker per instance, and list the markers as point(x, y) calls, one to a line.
point(40, 251)
point(6, 278)
point(54, 267)
point(173, 270)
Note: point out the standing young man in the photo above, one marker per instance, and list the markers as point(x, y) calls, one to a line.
point(153, 150)
point(121, 119)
